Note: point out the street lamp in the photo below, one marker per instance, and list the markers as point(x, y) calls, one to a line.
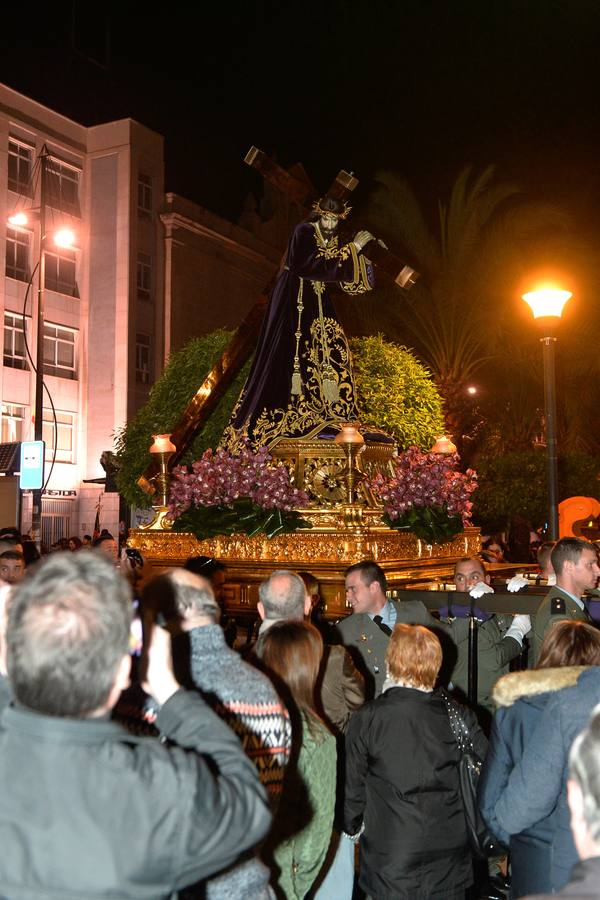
point(547, 304)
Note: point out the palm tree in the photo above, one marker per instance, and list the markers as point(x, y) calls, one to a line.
point(456, 317)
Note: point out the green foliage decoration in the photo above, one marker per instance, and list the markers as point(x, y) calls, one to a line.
point(170, 395)
point(242, 517)
point(515, 485)
point(396, 392)
point(432, 524)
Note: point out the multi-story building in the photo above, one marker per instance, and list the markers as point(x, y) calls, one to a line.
point(146, 271)
point(103, 296)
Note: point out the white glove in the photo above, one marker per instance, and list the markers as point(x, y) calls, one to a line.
point(480, 589)
point(516, 583)
point(519, 627)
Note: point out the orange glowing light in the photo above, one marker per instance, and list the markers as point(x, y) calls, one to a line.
point(547, 301)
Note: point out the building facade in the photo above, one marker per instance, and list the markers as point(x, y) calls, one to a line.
point(146, 271)
point(103, 297)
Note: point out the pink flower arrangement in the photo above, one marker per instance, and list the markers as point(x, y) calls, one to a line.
point(220, 479)
point(425, 480)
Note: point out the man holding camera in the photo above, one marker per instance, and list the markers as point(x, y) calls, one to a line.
point(88, 810)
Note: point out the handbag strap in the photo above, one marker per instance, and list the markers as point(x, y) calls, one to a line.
point(458, 726)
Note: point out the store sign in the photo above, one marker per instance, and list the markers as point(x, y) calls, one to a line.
point(60, 493)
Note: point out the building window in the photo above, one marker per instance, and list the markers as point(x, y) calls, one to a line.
point(12, 423)
point(144, 276)
point(61, 272)
point(19, 168)
point(14, 341)
point(144, 193)
point(143, 358)
point(17, 254)
point(62, 437)
point(63, 186)
point(59, 351)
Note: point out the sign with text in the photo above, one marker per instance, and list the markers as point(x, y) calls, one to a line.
point(32, 465)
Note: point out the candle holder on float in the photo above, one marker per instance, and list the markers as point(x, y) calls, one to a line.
point(443, 445)
point(353, 443)
point(162, 449)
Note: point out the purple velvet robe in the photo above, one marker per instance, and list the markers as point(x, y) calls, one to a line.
point(301, 379)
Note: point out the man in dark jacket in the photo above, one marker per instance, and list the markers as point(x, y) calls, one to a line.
point(87, 810)
point(583, 790)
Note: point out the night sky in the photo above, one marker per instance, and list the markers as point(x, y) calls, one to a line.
point(421, 86)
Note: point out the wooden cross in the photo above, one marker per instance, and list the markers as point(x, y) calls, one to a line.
point(244, 340)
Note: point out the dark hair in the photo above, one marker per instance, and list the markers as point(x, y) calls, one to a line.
point(68, 629)
point(569, 548)
point(103, 537)
point(495, 539)
point(471, 559)
point(77, 541)
point(570, 644)
point(13, 554)
point(330, 204)
point(292, 651)
point(369, 572)
point(31, 553)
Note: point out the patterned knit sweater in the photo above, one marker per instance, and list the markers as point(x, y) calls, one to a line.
point(248, 702)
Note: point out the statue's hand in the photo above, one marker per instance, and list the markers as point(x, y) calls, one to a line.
point(362, 238)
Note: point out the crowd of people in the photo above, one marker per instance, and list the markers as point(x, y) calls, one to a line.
point(199, 764)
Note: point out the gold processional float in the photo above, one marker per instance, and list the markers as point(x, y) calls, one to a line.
point(345, 518)
point(346, 526)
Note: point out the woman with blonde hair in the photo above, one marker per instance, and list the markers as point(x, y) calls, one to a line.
point(402, 787)
point(521, 697)
point(302, 830)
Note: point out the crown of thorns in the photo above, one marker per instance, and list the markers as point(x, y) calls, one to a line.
point(329, 212)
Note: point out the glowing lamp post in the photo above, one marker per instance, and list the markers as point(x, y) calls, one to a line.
point(547, 305)
point(63, 237)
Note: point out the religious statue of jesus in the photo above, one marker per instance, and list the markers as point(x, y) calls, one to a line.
point(301, 382)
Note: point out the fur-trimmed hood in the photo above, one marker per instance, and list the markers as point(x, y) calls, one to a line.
point(532, 682)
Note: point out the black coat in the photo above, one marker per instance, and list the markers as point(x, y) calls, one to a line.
point(402, 781)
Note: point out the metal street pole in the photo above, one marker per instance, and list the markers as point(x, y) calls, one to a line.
point(551, 455)
point(547, 304)
point(36, 519)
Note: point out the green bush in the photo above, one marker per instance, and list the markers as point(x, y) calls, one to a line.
point(396, 392)
point(170, 395)
point(515, 485)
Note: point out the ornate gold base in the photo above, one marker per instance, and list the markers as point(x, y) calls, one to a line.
point(325, 551)
point(160, 521)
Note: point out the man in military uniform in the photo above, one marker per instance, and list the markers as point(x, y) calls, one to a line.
point(367, 631)
point(499, 638)
point(576, 565)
